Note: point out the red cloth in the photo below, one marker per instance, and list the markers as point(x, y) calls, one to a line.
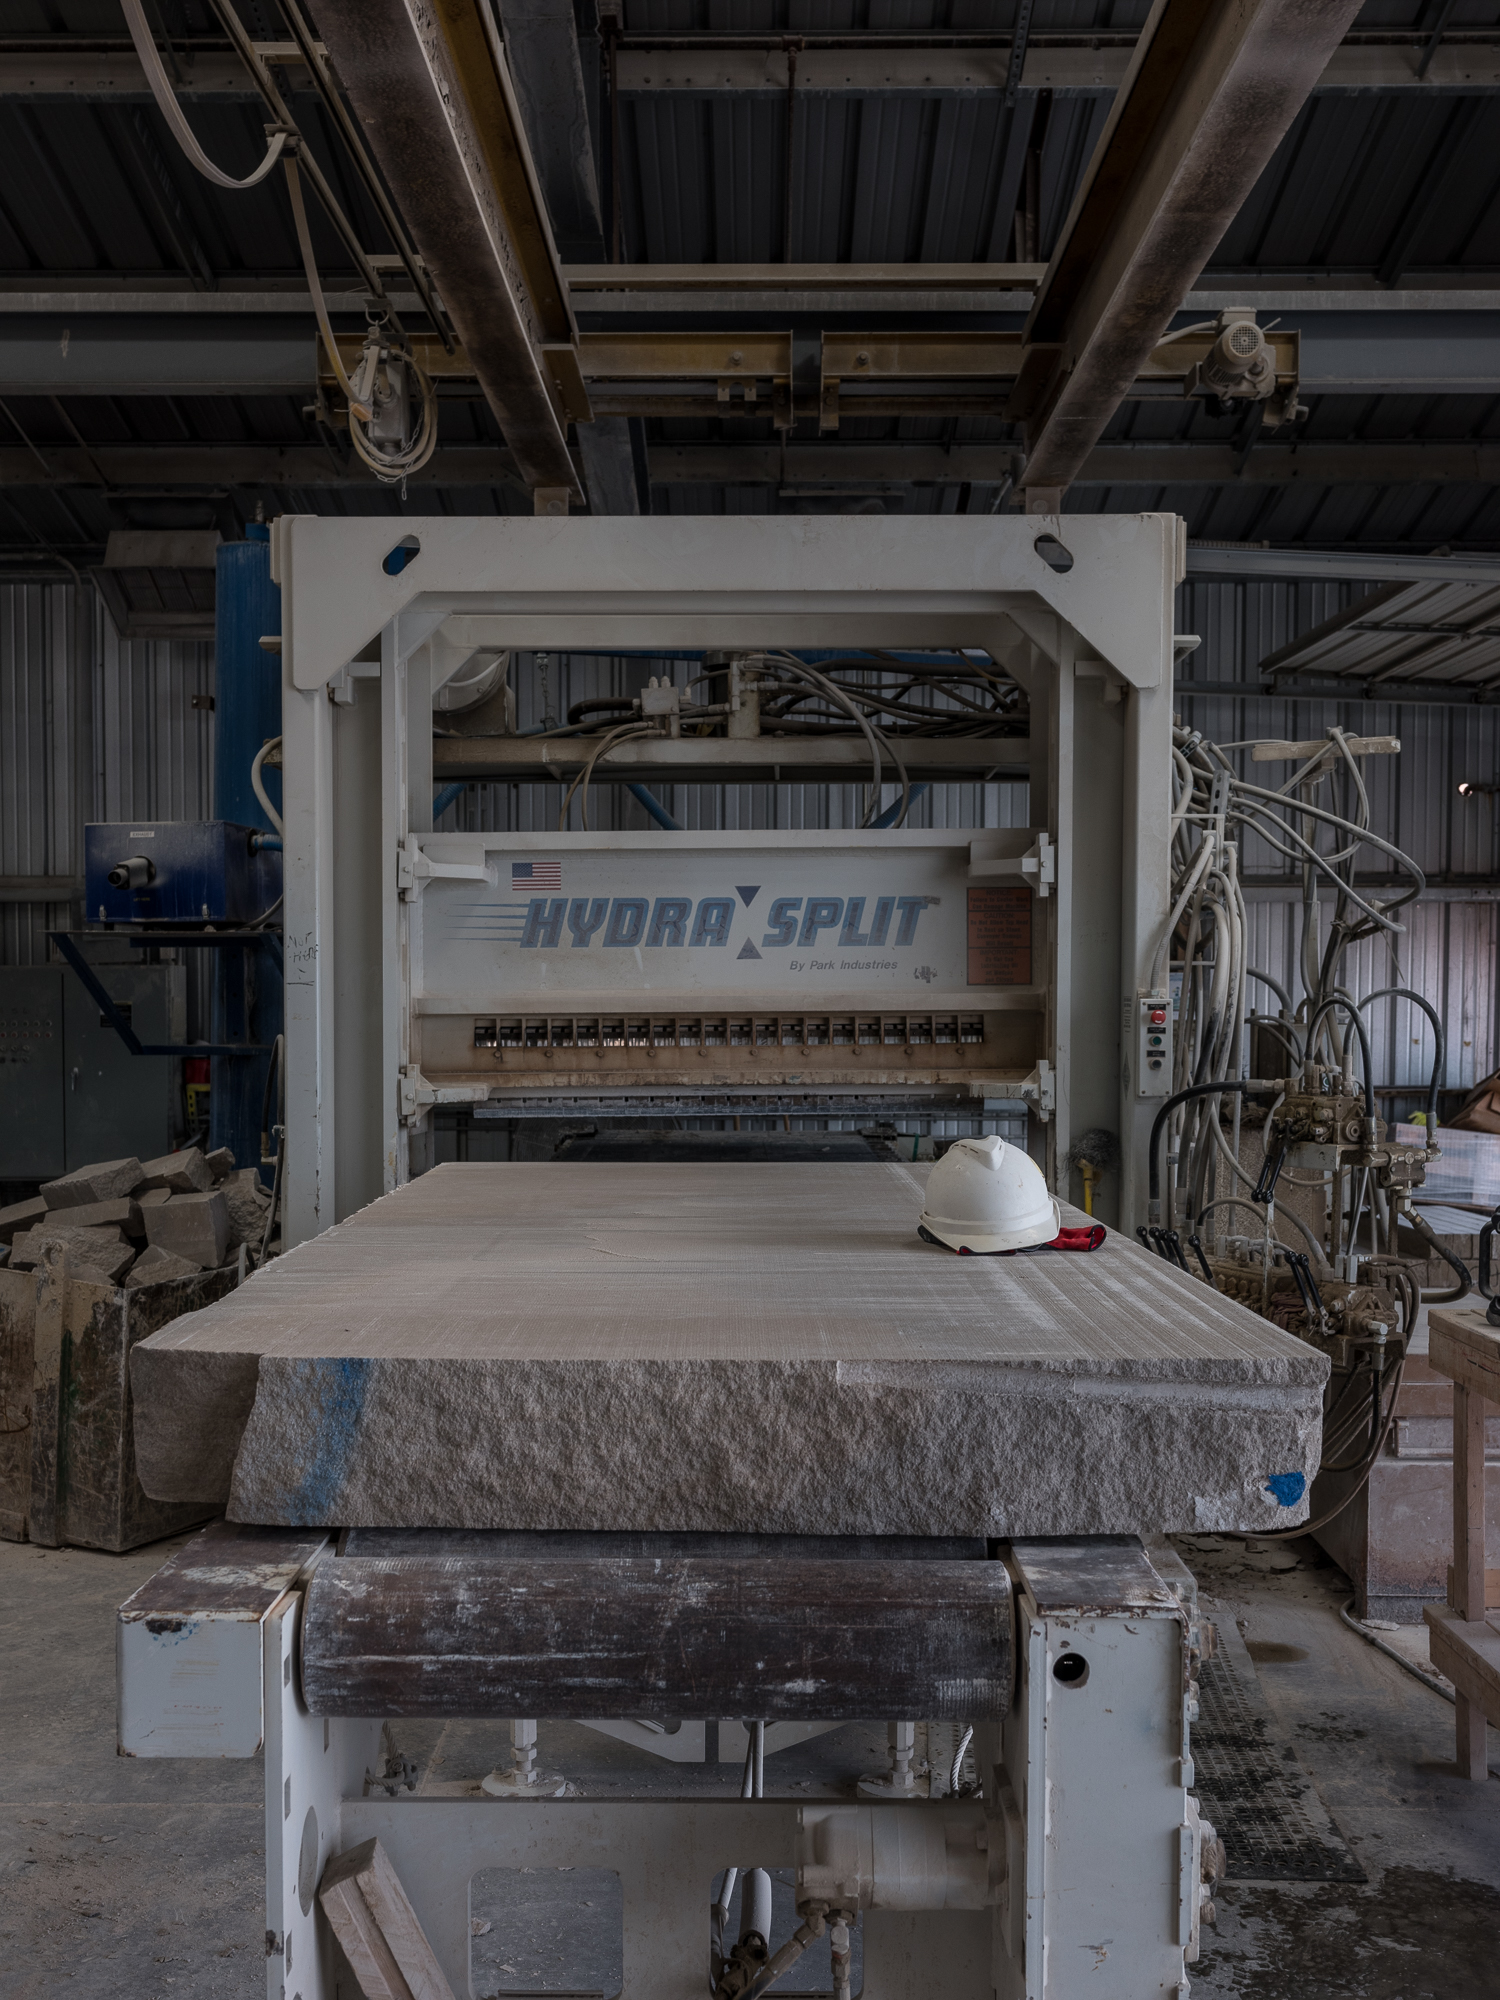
point(1065, 1239)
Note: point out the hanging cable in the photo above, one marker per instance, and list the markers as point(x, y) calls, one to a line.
point(362, 393)
point(389, 371)
point(171, 110)
point(585, 776)
point(258, 787)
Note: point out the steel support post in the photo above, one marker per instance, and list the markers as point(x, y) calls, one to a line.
point(360, 884)
point(399, 910)
point(1145, 904)
point(1090, 869)
point(311, 955)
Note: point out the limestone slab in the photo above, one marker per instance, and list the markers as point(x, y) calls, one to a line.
point(106, 1180)
point(740, 1348)
point(194, 1226)
point(247, 1203)
point(102, 1250)
point(187, 1172)
point(21, 1215)
point(122, 1213)
point(155, 1266)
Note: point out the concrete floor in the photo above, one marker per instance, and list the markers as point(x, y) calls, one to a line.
point(1379, 1747)
point(138, 1881)
point(118, 1880)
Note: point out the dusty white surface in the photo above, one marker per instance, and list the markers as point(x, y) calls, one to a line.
point(732, 1347)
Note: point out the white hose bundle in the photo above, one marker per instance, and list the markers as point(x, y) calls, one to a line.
point(388, 466)
point(171, 110)
point(1207, 932)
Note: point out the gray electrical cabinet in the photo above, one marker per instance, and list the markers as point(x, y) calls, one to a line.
point(33, 1146)
point(70, 1090)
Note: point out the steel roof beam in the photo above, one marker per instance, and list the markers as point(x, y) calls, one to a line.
point(936, 68)
point(163, 354)
point(1354, 567)
point(541, 44)
point(1145, 469)
point(939, 70)
point(431, 90)
point(719, 290)
point(1210, 94)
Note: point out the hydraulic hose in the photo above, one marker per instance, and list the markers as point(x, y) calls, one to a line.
point(1440, 1045)
point(598, 704)
point(655, 808)
point(1276, 987)
point(1241, 1086)
point(271, 743)
point(1326, 1007)
point(1465, 1283)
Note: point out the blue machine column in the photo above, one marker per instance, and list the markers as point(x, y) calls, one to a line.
point(248, 1000)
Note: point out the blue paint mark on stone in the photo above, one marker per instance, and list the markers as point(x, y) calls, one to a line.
point(336, 1390)
point(1287, 1487)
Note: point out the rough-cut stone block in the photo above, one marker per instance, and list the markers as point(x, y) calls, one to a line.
point(67, 1453)
point(21, 1215)
point(89, 1250)
point(248, 1204)
point(194, 1226)
point(743, 1348)
point(186, 1172)
point(54, 1229)
point(156, 1265)
point(123, 1213)
point(102, 1182)
point(220, 1161)
point(153, 1197)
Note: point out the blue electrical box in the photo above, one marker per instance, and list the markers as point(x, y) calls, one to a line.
point(177, 872)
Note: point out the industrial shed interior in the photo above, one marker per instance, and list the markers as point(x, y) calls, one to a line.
point(750, 999)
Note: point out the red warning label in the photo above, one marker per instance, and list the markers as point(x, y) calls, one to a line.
point(1000, 937)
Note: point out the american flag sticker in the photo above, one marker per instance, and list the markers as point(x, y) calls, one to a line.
point(536, 875)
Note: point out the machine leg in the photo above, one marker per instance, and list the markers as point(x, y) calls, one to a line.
point(1473, 1756)
point(312, 1767)
point(1092, 1883)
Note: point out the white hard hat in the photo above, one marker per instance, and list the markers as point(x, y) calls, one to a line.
point(984, 1196)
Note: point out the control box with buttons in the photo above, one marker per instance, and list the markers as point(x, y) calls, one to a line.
point(1153, 1043)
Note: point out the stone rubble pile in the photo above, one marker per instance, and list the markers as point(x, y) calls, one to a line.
point(137, 1222)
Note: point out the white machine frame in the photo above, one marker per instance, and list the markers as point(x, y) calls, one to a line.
point(1097, 1866)
point(1095, 1878)
point(1079, 610)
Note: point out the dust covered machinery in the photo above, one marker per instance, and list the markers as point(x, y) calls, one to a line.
point(829, 973)
point(1283, 1188)
point(974, 967)
point(813, 971)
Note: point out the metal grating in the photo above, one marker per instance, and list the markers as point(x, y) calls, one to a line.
point(1262, 1803)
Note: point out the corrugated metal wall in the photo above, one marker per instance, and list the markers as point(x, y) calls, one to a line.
point(95, 727)
point(92, 727)
point(547, 685)
point(1449, 950)
point(1414, 797)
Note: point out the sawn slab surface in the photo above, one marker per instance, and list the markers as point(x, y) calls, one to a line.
point(742, 1348)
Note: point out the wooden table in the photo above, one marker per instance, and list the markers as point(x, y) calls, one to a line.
point(1466, 1630)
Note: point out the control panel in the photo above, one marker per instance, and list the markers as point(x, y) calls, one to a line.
point(1153, 1043)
